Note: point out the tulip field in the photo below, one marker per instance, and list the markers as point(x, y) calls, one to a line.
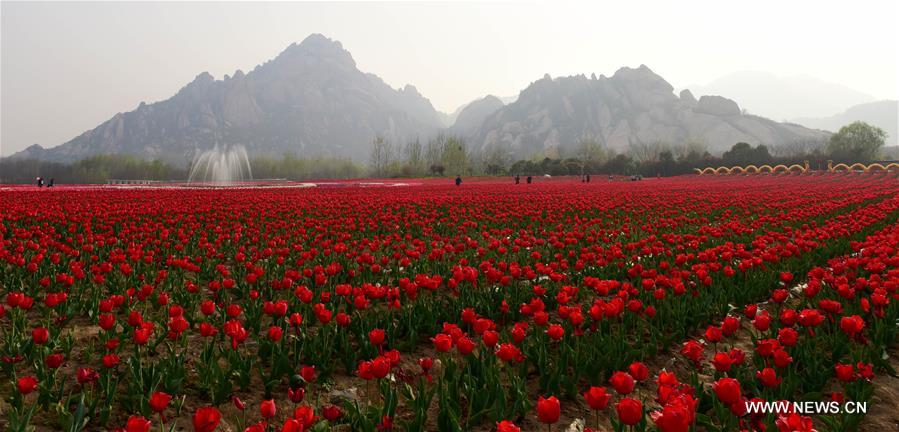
point(665, 304)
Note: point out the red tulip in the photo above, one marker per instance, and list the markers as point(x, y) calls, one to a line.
point(555, 332)
point(728, 390)
point(426, 363)
point(597, 398)
point(159, 401)
point(331, 412)
point(678, 414)
point(110, 361)
point(768, 377)
point(239, 404)
point(206, 419)
point(852, 325)
point(267, 408)
point(443, 342)
point(638, 371)
point(465, 346)
point(54, 361)
point(508, 353)
point(622, 382)
point(26, 384)
point(137, 424)
point(296, 396)
point(87, 376)
point(787, 336)
point(275, 333)
point(376, 337)
point(40, 335)
point(630, 411)
point(507, 426)
point(548, 410)
point(844, 372)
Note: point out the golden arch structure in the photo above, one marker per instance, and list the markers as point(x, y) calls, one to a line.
point(752, 169)
point(856, 167)
point(799, 169)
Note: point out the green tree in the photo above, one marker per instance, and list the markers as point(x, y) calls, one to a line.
point(856, 142)
point(742, 154)
point(591, 153)
point(455, 156)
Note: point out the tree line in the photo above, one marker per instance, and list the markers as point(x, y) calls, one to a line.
point(857, 142)
point(450, 155)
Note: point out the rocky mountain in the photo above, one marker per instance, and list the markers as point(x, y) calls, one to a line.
point(473, 114)
point(782, 98)
point(883, 114)
point(310, 100)
point(633, 106)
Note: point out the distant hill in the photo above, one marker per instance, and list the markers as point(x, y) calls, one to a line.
point(633, 106)
point(883, 114)
point(782, 98)
point(310, 100)
point(473, 114)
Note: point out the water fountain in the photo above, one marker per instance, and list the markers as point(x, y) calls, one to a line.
point(225, 165)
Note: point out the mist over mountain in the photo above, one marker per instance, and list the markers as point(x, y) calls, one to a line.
point(633, 107)
point(473, 114)
point(782, 98)
point(883, 114)
point(312, 100)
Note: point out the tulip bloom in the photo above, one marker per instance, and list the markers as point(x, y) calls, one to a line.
point(622, 382)
point(267, 408)
point(630, 411)
point(206, 419)
point(555, 332)
point(548, 410)
point(852, 325)
point(728, 390)
point(768, 377)
point(507, 426)
point(137, 424)
point(159, 401)
point(638, 371)
point(26, 384)
point(376, 337)
point(40, 335)
point(331, 412)
point(597, 398)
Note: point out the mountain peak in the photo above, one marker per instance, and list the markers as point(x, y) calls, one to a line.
point(311, 99)
point(317, 47)
point(319, 40)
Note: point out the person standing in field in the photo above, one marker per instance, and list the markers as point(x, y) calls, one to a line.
point(517, 179)
point(529, 179)
point(458, 180)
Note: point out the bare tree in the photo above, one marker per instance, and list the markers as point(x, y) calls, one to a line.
point(381, 155)
point(590, 151)
point(646, 151)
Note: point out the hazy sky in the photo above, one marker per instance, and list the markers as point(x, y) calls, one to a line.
point(67, 67)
